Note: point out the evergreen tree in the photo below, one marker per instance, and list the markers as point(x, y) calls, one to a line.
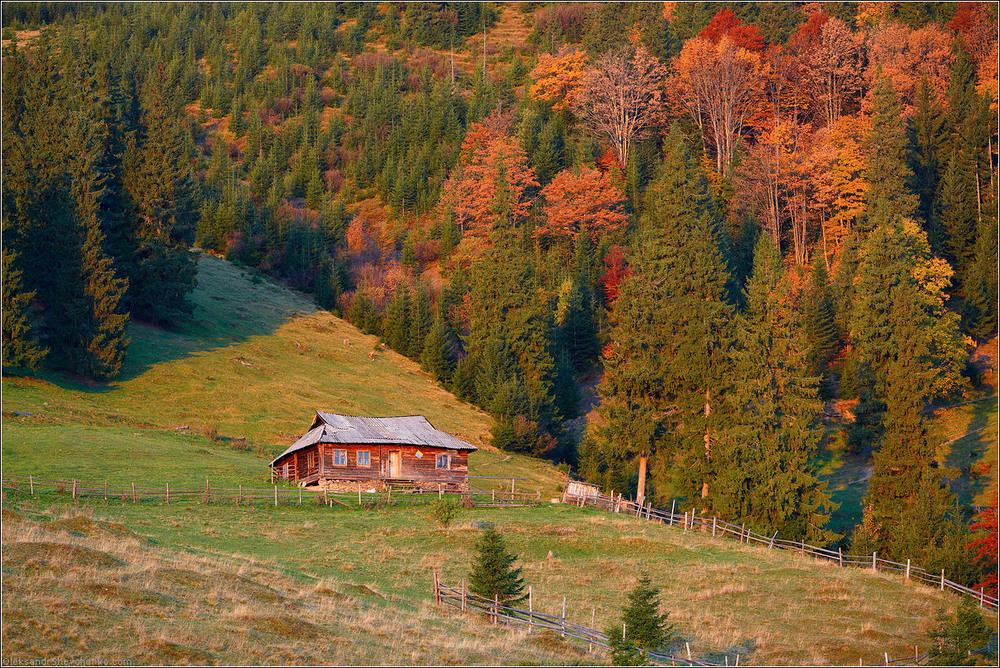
point(161, 185)
point(926, 131)
point(437, 356)
point(887, 171)
point(958, 638)
point(419, 325)
point(980, 315)
point(643, 626)
point(20, 344)
point(493, 575)
point(671, 332)
point(396, 330)
point(818, 319)
point(763, 457)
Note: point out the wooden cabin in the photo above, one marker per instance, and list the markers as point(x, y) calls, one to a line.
point(341, 450)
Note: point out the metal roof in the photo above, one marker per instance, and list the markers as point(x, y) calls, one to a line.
point(355, 430)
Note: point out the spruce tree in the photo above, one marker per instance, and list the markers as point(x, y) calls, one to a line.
point(419, 325)
point(493, 575)
point(887, 171)
point(980, 315)
point(763, 457)
point(20, 344)
point(818, 319)
point(396, 330)
point(437, 356)
point(671, 332)
point(926, 131)
point(160, 183)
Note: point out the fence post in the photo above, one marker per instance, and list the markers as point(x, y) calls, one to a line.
point(714, 519)
point(133, 492)
point(771, 545)
point(168, 493)
point(275, 496)
point(494, 497)
point(873, 561)
point(623, 630)
point(239, 499)
point(31, 484)
point(942, 579)
point(840, 556)
point(105, 489)
point(685, 520)
point(208, 491)
point(496, 607)
point(886, 655)
point(907, 569)
point(531, 612)
point(437, 591)
point(74, 488)
point(463, 594)
point(389, 498)
point(593, 614)
point(326, 500)
point(981, 592)
point(688, 645)
point(673, 504)
point(743, 528)
point(564, 617)
point(300, 497)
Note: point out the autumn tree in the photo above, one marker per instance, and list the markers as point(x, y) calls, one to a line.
point(493, 180)
point(834, 68)
point(558, 78)
point(984, 547)
point(906, 57)
point(726, 24)
point(622, 96)
point(581, 198)
point(718, 85)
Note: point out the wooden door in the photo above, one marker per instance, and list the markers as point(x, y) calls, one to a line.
point(395, 464)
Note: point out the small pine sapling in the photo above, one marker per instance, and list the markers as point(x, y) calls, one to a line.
point(493, 575)
point(643, 626)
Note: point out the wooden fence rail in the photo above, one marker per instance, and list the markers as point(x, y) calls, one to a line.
point(461, 598)
point(718, 527)
point(274, 495)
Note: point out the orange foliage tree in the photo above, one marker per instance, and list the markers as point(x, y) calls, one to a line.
point(622, 96)
point(904, 56)
point(833, 67)
point(557, 78)
point(719, 85)
point(492, 182)
point(585, 198)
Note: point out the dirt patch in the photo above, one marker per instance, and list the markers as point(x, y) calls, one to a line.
point(168, 653)
point(84, 526)
point(182, 578)
point(127, 595)
point(365, 590)
point(244, 588)
point(9, 516)
point(33, 556)
point(285, 626)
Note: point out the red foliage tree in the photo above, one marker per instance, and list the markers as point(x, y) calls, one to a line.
point(984, 548)
point(725, 24)
point(615, 271)
point(586, 198)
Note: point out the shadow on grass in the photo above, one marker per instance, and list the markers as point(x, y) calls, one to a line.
point(730, 655)
point(231, 305)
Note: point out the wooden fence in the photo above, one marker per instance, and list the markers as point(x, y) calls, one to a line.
point(717, 527)
point(395, 495)
point(462, 599)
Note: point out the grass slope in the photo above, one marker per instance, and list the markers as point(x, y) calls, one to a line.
point(189, 582)
point(254, 363)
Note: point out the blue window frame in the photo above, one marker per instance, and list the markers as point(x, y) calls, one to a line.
point(340, 457)
point(364, 458)
point(441, 462)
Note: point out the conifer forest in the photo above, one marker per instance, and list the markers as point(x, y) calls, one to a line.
point(687, 231)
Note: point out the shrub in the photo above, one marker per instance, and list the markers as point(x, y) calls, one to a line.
point(445, 511)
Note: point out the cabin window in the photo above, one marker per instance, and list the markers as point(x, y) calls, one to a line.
point(442, 462)
point(285, 474)
point(310, 460)
point(364, 458)
point(340, 457)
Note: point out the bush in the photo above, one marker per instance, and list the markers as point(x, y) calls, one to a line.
point(445, 511)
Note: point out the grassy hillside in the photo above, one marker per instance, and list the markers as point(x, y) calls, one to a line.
point(189, 582)
point(253, 364)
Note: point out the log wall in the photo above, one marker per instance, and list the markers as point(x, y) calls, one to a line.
point(416, 469)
